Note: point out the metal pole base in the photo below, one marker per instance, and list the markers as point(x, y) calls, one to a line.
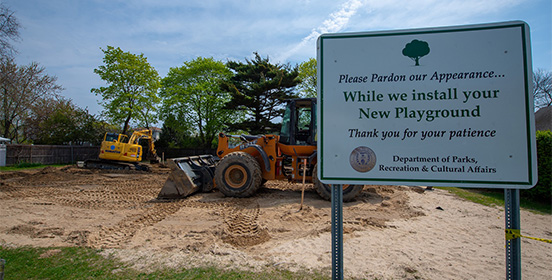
point(337, 232)
point(513, 246)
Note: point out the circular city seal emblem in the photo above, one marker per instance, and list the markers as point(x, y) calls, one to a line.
point(362, 159)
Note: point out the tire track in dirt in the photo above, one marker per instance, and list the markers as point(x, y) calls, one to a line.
point(112, 191)
point(242, 226)
point(122, 232)
point(88, 192)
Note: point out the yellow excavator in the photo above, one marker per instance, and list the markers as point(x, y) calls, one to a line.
point(243, 163)
point(118, 151)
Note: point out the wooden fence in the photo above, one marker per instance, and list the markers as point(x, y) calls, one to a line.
point(59, 154)
point(48, 154)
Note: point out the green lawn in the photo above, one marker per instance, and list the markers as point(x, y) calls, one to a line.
point(26, 165)
point(85, 263)
point(495, 197)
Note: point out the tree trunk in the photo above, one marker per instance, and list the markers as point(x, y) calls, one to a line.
point(125, 128)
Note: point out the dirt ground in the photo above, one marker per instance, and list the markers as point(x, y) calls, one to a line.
point(390, 232)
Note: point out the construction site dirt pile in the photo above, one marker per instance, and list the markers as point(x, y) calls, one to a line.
point(389, 231)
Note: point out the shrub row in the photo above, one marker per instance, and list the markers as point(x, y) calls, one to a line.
point(543, 190)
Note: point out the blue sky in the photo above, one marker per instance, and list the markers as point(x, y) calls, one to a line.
point(65, 36)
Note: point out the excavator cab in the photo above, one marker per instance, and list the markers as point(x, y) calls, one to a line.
point(111, 137)
point(116, 147)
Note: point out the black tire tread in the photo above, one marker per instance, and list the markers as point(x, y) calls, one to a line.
point(251, 165)
point(324, 190)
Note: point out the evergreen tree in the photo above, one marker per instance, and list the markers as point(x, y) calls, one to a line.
point(260, 88)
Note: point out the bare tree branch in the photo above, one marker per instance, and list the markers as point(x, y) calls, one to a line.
point(542, 88)
point(20, 88)
point(9, 31)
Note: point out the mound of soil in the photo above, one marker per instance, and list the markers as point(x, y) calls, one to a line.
point(391, 231)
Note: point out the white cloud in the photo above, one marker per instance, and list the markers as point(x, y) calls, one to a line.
point(64, 35)
point(336, 22)
point(372, 15)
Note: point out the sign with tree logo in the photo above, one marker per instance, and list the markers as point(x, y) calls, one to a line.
point(447, 106)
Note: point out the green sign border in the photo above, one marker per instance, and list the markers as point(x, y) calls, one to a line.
point(528, 74)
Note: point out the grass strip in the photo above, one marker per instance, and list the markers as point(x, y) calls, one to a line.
point(86, 263)
point(25, 165)
point(495, 197)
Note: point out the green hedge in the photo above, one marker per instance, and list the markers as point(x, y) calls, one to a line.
point(543, 190)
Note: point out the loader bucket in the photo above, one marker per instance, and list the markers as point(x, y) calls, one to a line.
point(188, 176)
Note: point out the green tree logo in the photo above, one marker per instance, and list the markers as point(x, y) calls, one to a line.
point(416, 50)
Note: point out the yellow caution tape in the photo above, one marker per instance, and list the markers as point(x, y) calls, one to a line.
point(516, 233)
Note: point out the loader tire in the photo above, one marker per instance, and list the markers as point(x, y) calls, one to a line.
point(325, 191)
point(238, 174)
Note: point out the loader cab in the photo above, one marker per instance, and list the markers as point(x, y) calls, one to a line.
point(299, 123)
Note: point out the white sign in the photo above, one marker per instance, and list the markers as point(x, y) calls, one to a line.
point(448, 106)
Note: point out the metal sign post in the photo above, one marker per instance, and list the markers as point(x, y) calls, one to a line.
point(2, 263)
point(513, 246)
point(337, 232)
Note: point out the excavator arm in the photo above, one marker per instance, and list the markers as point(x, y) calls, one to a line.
point(148, 135)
